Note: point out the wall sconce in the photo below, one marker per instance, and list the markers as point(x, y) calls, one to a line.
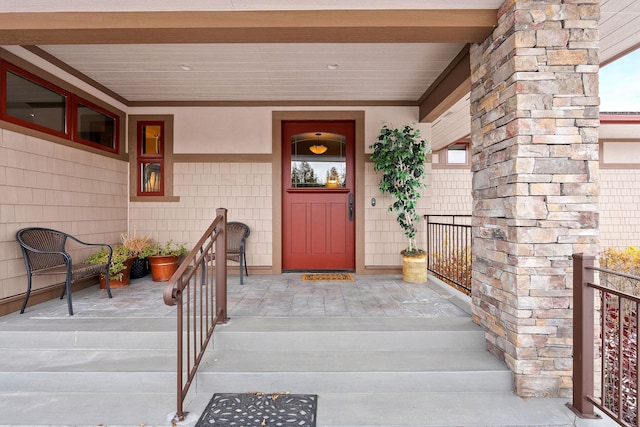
point(318, 148)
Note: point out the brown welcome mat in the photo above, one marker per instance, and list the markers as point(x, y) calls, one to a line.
point(259, 409)
point(327, 277)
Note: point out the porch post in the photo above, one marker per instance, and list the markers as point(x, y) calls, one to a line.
point(221, 269)
point(534, 108)
point(583, 333)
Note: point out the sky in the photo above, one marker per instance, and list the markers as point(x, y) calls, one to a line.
point(620, 85)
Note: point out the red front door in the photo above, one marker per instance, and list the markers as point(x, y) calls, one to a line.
point(318, 212)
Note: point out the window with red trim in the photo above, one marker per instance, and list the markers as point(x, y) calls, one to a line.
point(31, 101)
point(95, 126)
point(34, 103)
point(150, 142)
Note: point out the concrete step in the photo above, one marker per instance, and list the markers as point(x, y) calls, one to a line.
point(131, 408)
point(238, 371)
point(333, 355)
point(335, 334)
point(88, 333)
point(88, 340)
point(382, 409)
point(23, 323)
point(86, 360)
point(88, 382)
point(87, 355)
point(366, 371)
point(356, 382)
point(81, 370)
point(385, 409)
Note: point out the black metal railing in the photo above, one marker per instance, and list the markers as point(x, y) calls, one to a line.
point(201, 300)
point(612, 298)
point(449, 249)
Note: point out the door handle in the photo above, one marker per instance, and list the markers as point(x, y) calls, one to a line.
point(350, 206)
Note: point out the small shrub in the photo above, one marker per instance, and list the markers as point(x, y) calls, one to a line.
point(454, 267)
point(136, 244)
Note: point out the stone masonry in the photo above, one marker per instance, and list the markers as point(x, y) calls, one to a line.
point(534, 112)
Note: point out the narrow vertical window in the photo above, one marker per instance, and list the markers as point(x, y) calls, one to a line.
point(150, 136)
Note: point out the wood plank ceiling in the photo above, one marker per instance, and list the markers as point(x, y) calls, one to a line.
point(275, 52)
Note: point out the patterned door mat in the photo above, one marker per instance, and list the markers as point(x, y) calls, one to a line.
point(327, 277)
point(259, 409)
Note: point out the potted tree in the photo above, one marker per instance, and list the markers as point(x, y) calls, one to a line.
point(164, 259)
point(400, 154)
point(119, 269)
point(136, 246)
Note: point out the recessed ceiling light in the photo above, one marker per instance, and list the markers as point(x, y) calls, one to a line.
point(332, 66)
point(185, 67)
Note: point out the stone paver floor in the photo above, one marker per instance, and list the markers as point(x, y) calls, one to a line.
point(285, 295)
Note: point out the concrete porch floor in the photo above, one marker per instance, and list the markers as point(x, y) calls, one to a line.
point(288, 296)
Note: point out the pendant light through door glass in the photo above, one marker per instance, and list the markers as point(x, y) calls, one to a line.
point(318, 148)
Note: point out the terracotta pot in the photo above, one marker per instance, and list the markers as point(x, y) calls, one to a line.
point(114, 284)
point(162, 267)
point(414, 269)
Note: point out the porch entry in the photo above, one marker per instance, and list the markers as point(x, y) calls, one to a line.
point(318, 202)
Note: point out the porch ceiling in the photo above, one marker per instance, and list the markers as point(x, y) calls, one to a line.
point(275, 52)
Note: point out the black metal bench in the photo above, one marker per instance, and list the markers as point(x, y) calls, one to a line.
point(45, 253)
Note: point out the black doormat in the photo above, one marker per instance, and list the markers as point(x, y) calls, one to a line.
point(259, 409)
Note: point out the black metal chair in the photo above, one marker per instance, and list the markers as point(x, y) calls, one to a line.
point(44, 251)
point(237, 233)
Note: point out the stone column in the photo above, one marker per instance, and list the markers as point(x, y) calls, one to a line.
point(534, 108)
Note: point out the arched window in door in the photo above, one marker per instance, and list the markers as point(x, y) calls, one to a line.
point(318, 160)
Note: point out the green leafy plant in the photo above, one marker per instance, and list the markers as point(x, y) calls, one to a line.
point(169, 248)
point(400, 154)
point(117, 266)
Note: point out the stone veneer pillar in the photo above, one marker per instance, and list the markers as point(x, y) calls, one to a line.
point(534, 108)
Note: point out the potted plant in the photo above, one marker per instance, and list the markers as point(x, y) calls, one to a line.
point(136, 246)
point(119, 268)
point(400, 154)
point(164, 259)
